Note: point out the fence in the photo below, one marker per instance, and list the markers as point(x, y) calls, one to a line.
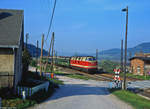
point(47, 75)
point(6, 80)
point(31, 91)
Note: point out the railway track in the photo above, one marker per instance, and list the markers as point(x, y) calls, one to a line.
point(112, 75)
point(100, 77)
point(92, 76)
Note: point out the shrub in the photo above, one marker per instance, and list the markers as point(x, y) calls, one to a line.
point(33, 63)
point(26, 59)
point(108, 66)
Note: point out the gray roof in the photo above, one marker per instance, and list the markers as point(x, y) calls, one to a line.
point(10, 27)
point(141, 58)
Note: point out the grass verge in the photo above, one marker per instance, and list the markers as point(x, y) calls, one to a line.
point(56, 81)
point(17, 103)
point(134, 100)
point(76, 76)
point(147, 77)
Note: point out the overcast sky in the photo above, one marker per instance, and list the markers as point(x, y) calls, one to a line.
point(85, 25)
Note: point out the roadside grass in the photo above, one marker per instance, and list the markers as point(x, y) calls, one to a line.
point(17, 103)
point(56, 81)
point(76, 76)
point(147, 77)
point(60, 73)
point(134, 100)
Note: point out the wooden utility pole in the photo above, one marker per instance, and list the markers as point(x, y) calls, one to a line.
point(27, 36)
point(121, 60)
point(53, 35)
point(125, 59)
point(37, 47)
point(41, 55)
point(49, 52)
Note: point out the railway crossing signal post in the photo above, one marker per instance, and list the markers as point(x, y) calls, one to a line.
point(124, 79)
point(117, 77)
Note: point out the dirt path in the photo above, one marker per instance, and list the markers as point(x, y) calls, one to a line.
point(81, 94)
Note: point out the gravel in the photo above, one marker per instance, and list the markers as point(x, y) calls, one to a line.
point(82, 94)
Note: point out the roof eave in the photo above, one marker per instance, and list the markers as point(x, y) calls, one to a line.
point(9, 46)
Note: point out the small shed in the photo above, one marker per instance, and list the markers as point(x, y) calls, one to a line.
point(140, 65)
point(11, 45)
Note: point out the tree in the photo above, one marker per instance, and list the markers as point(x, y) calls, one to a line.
point(26, 59)
point(109, 66)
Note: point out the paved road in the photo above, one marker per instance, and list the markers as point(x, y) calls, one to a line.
point(80, 94)
point(140, 84)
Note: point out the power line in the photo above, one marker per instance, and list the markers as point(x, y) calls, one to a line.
point(50, 25)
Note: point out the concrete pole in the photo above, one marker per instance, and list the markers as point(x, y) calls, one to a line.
point(41, 55)
point(121, 60)
point(125, 59)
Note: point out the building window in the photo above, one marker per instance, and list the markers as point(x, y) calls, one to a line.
point(132, 69)
point(138, 70)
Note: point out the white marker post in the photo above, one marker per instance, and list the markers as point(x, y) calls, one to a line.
point(23, 95)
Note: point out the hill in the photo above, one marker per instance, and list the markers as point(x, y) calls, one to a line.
point(114, 54)
point(32, 49)
point(111, 54)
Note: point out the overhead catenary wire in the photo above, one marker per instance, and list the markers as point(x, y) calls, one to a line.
point(51, 20)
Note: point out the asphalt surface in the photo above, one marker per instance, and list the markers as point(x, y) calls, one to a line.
point(140, 84)
point(81, 94)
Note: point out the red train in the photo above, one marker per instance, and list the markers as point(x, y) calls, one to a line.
point(87, 63)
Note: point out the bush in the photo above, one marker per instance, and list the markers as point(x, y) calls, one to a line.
point(26, 59)
point(108, 66)
point(18, 103)
point(33, 63)
point(42, 95)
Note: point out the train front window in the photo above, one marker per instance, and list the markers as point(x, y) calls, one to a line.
point(94, 59)
point(89, 59)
